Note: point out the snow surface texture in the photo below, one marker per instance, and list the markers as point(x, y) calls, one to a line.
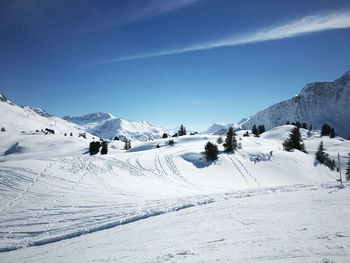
point(105, 125)
point(153, 204)
point(317, 103)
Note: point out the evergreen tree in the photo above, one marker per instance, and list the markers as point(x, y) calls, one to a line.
point(348, 169)
point(158, 146)
point(287, 122)
point(94, 147)
point(261, 129)
point(294, 141)
point(255, 131)
point(127, 144)
point(304, 126)
point(298, 124)
point(104, 149)
point(321, 154)
point(171, 142)
point(332, 133)
point(211, 151)
point(65, 134)
point(330, 163)
point(182, 131)
point(219, 140)
point(3, 129)
point(116, 138)
point(71, 134)
point(230, 142)
point(165, 136)
point(326, 130)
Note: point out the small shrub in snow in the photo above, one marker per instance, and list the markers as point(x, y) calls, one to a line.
point(246, 134)
point(3, 129)
point(211, 151)
point(158, 146)
point(171, 142)
point(294, 141)
point(71, 134)
point(165, 136)
point(219, 140)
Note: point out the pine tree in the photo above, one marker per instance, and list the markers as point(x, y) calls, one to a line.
point(158, 146)
point(230, 142)
point(165, 136)
point(294, 141)
point(71, 134)
point(211, 151)
point(348, 169)
point(171, 142)
point(127, 144)
point(304, 126)
point(261, 129)
point(326, 130)
point(94, 147)
point(3, 129)
point(321, 154)
point(332, 133)
point(104, 149)
point(182, 131)
point(255, 131)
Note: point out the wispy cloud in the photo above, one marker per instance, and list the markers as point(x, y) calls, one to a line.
point(302, 26)
point(130, 12)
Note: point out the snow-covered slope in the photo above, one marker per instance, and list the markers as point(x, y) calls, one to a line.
point(17, 119)
point(105, 125)
point(316, 104)
point(54, 197)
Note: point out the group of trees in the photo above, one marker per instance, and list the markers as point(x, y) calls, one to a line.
point(230, 145)
point(94, 147)
point(327, 130)
point(257, 131)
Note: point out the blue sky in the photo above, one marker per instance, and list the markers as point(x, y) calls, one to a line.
point(169, 62)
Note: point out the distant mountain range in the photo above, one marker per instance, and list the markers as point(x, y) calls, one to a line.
point(317, 103)
point(105, 125)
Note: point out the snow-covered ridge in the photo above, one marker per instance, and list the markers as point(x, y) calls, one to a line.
point(96, 117)
point(317, 103)
point(39, 111)
point(105, 125)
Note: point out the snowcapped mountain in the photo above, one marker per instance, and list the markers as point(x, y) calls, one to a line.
point(216, 127)
point(105, 125)
point(17, 119)
point(316, 104)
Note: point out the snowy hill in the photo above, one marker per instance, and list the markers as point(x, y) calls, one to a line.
point(105, 125)
point(52, 209)
point(317, 103)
